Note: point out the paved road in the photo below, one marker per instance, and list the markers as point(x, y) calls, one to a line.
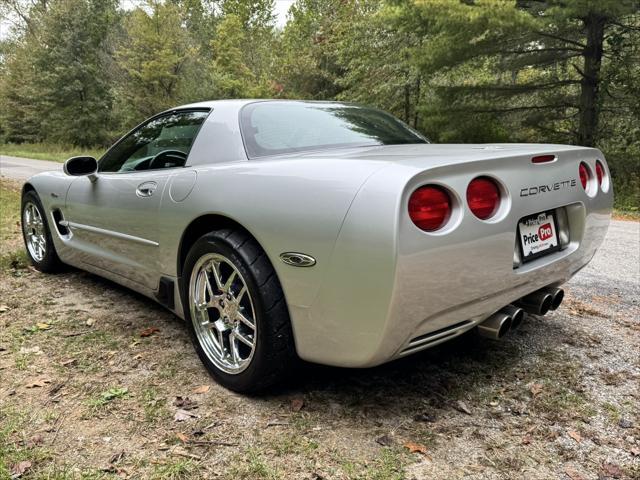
point(22, 168)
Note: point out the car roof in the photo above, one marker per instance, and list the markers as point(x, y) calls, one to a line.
point(239, 103)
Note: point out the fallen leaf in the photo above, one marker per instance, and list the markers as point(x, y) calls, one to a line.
point(575, 435)
point(4, 308)
point(462, 407)
point(573, 474)
point(67, 362)
point(90, 322)
point(385, 441)
point(183, 415)
point(182, 437)
point(202, 389)
point(612, 470)
point(43, 326)
point(147, 332)
point(297, 403)
point(536, 389)
point(38, 382)
point(35, 441)
point(20, 468)
point(635, 451)
point(415, 448)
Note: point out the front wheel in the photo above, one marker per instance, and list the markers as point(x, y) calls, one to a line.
point(236, 312)
point(37, 235)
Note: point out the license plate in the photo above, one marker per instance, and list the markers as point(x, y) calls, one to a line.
point(538, 235)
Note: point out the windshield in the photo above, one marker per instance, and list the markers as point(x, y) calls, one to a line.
point(272, 128)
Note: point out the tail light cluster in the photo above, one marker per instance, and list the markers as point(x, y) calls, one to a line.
point(586, 176)
point(483, 197)
point(430, 206)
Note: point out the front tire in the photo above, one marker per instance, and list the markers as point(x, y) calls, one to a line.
point(37, 235)
point(236, 312)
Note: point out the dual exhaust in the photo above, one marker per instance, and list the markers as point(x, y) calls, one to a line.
point(512, 316)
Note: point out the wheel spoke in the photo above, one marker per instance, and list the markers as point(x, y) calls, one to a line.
point(215, 267)
point(229, 282)
point(241, 336)
point(241, 293)
point(233, 346)
point(200, 294)
point(246, 321)
point(208, 286)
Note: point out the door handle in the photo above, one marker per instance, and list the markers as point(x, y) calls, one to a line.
point(146, 189)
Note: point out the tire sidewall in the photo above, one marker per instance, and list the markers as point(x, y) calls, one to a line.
point(244, 380)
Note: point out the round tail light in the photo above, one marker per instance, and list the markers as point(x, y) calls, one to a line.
point(483, 197)
point(584, 174)
point(430, 207)
point(599, 172)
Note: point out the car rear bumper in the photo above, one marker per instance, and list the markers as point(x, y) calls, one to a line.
point(388, 294)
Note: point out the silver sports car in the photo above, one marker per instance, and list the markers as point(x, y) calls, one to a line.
point(324, 231)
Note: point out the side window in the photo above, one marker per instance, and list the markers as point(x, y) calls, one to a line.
point(163, 142)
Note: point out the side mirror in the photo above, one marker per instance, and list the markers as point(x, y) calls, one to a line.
point(81, 166)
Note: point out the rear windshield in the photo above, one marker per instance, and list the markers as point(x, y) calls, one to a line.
point(272, 128)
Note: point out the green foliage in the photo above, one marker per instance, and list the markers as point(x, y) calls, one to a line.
point(54, 80)
point(153, 55)
point(81, 72)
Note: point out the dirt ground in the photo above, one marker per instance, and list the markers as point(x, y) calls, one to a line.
point(98, 382)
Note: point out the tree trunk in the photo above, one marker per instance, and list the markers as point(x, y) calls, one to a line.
point(590, 84)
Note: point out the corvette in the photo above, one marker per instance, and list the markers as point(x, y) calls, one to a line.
point(325, 231)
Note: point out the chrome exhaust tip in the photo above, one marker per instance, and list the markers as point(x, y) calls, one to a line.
point(537, 303)
point(516, 314)
point(495, 326)
point(558, 296)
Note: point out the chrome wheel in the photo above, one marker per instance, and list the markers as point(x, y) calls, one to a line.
point(34, 231)
point(222, 313)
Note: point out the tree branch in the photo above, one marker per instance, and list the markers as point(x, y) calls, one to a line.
point(562, 39)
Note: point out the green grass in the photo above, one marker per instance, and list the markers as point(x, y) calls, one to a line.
point(106, 397)
point(178, 470)
point(9, 210)
point(47, 151)
point(10, 256)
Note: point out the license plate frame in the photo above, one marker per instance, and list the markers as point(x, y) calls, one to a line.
point(527, 226)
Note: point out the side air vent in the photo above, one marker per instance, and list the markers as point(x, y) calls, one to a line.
point(58, 219)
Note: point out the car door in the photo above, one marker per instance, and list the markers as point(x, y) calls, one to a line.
point(114, 218)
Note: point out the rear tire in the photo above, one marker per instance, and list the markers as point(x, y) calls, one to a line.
point(236, 312)
point(37, 234)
